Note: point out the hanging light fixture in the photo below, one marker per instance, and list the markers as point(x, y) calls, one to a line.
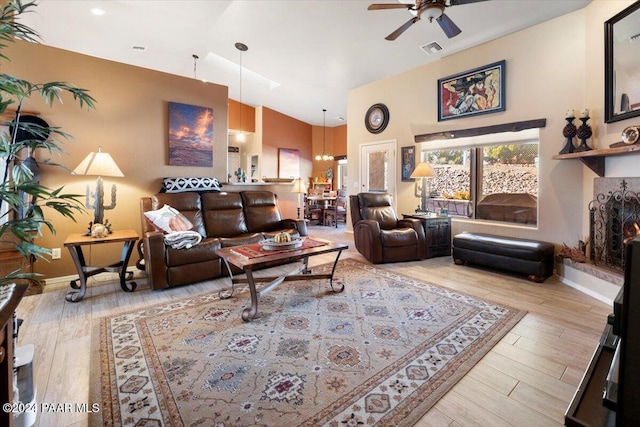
point(324, 156)
point(240, 136)
point(195, 67)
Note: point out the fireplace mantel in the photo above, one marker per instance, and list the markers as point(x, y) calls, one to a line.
point(594, 159)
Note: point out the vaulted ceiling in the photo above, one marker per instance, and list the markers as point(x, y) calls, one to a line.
point(302, 55)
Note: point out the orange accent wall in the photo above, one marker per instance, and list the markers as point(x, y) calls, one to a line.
point(282, 131)
point(248, 117)
point(340, 140)
point(335, 145)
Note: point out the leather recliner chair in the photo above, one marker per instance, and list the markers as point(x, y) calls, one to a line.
point(378, 233)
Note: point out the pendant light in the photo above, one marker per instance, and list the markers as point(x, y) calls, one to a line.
point(324, 156)
point(195, 67)
point(240, 136)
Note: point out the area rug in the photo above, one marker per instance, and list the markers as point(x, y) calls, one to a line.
point(380, 353)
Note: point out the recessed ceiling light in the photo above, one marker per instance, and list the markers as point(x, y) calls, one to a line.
point(98, 12)
point(340, 118)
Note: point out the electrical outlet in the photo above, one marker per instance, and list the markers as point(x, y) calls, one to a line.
point(56, 253)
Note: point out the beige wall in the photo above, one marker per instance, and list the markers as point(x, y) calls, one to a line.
point(549, 68)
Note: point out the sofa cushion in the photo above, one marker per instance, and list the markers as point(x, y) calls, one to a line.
point(399, 237)
point(190, 184)
point(379, 208)
point(187, 203)
point(204, 251)
point(223, 214)
point(261, 211)
point(243, 239)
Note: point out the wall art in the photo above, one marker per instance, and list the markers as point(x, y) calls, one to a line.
point(477, 91)
point(408, 163)
point(288, 163)
point(190, 135)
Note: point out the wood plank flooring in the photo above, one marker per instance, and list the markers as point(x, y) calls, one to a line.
point(527, 379)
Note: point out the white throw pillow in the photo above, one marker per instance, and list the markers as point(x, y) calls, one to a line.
point(168, 220)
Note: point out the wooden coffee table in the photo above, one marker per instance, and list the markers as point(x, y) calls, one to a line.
point(231, 256)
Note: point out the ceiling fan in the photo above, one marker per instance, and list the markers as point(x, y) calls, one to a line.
point(432, 9)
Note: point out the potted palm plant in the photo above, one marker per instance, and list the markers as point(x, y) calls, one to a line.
point(24, 201)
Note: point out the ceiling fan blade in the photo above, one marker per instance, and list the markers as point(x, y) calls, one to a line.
point(459, 2)
point(447, 25)
point(402, 28)
point(383, 6)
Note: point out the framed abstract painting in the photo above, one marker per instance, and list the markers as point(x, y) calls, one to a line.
point(477, 91)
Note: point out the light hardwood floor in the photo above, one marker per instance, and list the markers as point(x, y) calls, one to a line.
point(527, 379)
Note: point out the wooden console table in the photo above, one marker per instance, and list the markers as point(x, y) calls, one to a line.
point(75, 242)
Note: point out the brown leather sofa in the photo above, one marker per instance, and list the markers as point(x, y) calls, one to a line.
point(378, 233)
point(223, 219)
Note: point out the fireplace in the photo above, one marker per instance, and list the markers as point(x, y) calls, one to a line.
point(614, 216)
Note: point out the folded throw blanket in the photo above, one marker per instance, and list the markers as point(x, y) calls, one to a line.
point(182, 239)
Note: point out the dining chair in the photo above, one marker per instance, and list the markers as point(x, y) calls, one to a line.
point(338, 211)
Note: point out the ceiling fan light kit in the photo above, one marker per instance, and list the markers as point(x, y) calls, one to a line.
point(431, 9)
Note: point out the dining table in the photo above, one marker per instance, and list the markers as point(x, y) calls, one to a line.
point(321, 203)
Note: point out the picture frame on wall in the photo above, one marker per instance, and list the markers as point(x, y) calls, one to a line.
point(190, 135)
point(473, 92)
point(288, 163)
point(408, 163)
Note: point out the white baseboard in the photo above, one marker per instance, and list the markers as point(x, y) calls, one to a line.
point(588, 284)
point(62, 282)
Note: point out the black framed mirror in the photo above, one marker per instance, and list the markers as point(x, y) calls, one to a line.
point(622, 65)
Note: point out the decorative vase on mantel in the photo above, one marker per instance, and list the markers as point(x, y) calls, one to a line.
point(583, 132)
point(569, 132)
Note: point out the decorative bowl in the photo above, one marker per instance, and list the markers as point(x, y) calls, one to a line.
point(278, 180)
point(271, 245)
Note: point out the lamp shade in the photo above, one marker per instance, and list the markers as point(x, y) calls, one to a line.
point(298, 186)
point(98, 164)
point(423, 170)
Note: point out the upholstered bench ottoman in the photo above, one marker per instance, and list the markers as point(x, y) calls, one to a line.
point(530, 257)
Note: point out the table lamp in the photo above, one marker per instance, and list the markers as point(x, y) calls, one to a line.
point(424, 171)
point(99, 164)
point(300, 188)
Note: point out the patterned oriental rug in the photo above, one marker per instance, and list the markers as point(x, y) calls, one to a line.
point(380, 353)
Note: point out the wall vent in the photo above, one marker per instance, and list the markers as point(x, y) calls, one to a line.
point(431, 48)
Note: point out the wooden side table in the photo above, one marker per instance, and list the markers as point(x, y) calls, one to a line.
point(75, 242)
point(437, 233)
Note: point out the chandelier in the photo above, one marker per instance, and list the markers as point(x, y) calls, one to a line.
point(324, 156)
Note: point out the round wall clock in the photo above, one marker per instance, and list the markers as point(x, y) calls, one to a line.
point(631, 135)
point(377, 118)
